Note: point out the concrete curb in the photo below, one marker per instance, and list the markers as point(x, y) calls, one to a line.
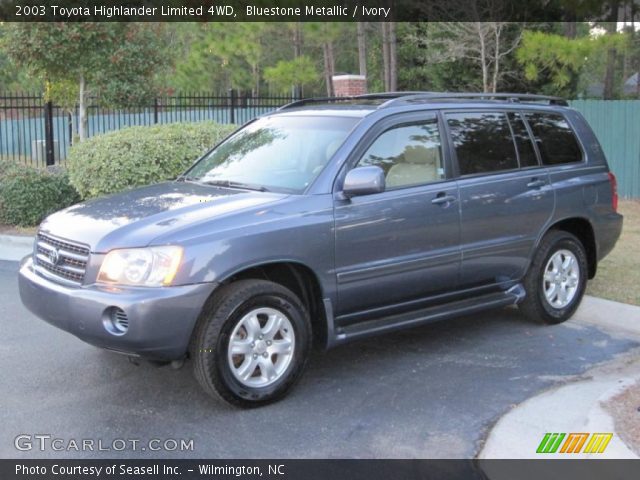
point(15, 247)
point(618, 319)
point(575, 407)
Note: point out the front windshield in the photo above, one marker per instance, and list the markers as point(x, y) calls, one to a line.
point(279, 153)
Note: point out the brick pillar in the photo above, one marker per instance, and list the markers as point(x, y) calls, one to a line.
point(349, 85)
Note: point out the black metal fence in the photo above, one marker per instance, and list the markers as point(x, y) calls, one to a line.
point(40, 133)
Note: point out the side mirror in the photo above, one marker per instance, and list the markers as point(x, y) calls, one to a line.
point(363, 181)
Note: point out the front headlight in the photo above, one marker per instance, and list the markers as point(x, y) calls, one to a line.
point(150, 267)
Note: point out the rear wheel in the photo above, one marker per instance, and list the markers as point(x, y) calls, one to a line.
point(556, 280)
point(251, 344)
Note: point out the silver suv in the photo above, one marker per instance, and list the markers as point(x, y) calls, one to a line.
point(330, 220)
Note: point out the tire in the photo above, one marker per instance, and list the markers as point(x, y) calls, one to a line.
point(551, 296)
point(231, 352)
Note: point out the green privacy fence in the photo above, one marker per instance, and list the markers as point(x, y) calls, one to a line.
point(23, 125)
point(617, 126)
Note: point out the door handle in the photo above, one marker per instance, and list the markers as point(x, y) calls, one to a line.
point(536, 183)
point(443, 199)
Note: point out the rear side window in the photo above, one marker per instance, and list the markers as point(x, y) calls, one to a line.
point(526, 152)
point(555, 139)
point(482, 141)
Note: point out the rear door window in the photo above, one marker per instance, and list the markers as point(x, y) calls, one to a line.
point(555, 139)
point(482, 142)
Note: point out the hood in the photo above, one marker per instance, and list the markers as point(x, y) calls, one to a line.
point(135, 217)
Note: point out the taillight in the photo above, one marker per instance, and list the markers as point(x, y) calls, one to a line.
point(614, 191)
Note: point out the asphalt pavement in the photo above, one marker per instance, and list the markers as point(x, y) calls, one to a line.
point(430, 392)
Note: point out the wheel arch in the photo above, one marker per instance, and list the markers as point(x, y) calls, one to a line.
point(580, 227)
point(301, 280)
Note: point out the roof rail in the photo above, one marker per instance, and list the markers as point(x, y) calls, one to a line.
point(398, 98)
point(511, 97)
point(366, 96)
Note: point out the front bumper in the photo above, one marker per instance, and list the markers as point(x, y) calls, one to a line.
point(161, 320)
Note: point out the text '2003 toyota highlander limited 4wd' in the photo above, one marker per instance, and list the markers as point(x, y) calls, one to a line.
point(331, 220)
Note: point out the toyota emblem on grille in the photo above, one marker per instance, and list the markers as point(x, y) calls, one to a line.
point(54, 257)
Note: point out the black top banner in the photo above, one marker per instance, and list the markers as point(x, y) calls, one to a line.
point(311, 10)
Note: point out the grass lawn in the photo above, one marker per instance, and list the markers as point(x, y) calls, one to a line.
point(618, 276)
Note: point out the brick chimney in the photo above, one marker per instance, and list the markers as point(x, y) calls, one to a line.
point(349, 85)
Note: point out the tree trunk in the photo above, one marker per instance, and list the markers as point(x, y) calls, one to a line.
point(612, 54)
point(82, 110)
point(610, 70)
point(636, 43)
point(483, 58)
point(297, 40)
point(327, 51)
point(386, 56)
point(393, 63)
point(627, 67)
point(297, 52)
point(332, 61)
point(256, 80)
point(496, 58)
point(362, 48)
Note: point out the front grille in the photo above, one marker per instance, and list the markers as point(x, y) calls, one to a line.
point(60, 258)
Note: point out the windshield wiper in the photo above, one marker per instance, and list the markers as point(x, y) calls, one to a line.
point(185, 178)
point(232, 184)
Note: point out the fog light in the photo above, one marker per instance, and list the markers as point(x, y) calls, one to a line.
point(116, 321)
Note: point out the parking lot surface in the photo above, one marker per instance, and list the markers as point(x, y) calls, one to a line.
point(430, 392)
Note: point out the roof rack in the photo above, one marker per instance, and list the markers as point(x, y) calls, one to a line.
point(398, 98)
point(510, 97)
point(351, 98)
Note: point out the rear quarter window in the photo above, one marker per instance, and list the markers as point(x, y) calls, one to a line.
point(557, 143)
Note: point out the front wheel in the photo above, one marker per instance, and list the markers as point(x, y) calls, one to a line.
point(251, 343)
point(556, 280)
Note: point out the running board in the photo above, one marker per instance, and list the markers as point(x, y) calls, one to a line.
point(430, 314)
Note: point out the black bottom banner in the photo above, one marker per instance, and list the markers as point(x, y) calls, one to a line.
point(320, 469)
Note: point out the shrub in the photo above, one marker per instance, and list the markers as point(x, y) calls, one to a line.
point(7, 167)
point(28, 194)
point(139, 156)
